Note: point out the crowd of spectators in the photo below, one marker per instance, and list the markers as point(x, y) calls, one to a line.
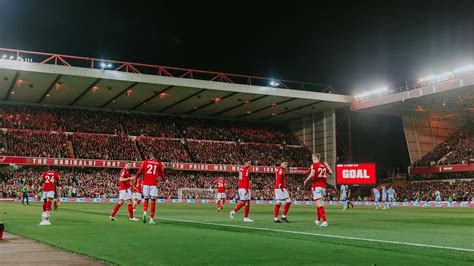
point(458, 148)
point(105, 147)
point(135, 124)
point(451, 190)
point(166, 150)
point(19, 143)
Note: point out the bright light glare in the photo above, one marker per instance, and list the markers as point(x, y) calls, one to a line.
point(373, 92)
point(103, 65)
point(274, 83)
point(464, 69)
point(4, 56)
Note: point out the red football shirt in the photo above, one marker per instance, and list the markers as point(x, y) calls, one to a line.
point(244, 178)
point(151, 169)
point(50, 178)
point(280, 178)
point(319, 179)
point(124, 185)
point(220, 184)
point(138, 186)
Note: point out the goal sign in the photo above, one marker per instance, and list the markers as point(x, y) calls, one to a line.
point(356, 174)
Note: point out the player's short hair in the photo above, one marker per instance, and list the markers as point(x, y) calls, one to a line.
point(317, 155)
point(247, 160)
point(283, 161)
point(152, 154)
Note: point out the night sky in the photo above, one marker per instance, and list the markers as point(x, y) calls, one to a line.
point(354, 46)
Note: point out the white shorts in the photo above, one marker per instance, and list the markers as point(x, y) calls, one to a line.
point(318, 193)
point(391, 199)
point(48, 195)
point(125, 194)
point(438, 198)
point(282, 195)
point(137, 196)
point(343, 197)
point(221, 196)
point(377, 199)
point(243, 195)
point(384, 199)
point(150, 191)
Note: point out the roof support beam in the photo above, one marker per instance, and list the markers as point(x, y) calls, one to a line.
point(48, 90)
point(291, 110)
point(156, 94)
point(12, 85)
point(268, 107)
point(181, 101)
point(209, 103)
point(119, 94)
point(85, 91)
point(239, 105)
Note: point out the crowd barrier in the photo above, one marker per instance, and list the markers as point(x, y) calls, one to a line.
point(462, 204)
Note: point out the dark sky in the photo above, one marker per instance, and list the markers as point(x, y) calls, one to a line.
point(353, 45)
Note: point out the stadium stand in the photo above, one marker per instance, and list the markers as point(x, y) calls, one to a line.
point(457, 149)
point(111, 135)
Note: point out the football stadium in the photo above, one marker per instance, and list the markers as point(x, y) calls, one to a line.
point(127, 162)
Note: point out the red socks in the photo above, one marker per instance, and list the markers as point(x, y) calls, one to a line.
point(48, 206)
point(286, 208)
point(246, 211)
point(116, 208)
point(130, 211)
point(321, 214)
point(152, 211)
point(44, 205)
point(239, 206)
point(219, 204)
point(145, 205)
point(276, 211)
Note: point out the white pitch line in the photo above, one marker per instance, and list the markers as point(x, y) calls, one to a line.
point(321, 235)
point(304, 233)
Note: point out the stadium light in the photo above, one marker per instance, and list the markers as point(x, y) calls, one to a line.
point(4, 56)
point(11, 57)
point(273, 83)
point(373, 92)
point(105, 65)
point(464, 69)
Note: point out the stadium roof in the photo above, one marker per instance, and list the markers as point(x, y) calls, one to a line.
point(453, 97)
point(34, 77)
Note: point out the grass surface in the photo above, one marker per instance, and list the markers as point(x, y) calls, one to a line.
point(197, 234)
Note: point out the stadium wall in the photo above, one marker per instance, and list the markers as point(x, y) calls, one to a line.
point(318, 132)
point(423, 132)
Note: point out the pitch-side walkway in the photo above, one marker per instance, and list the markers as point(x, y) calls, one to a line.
point(15, 250)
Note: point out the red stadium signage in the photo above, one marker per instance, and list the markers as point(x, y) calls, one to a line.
point(68, 162)
point(441, 169)
point(356, 174)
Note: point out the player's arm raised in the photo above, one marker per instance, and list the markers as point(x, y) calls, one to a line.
point(328, 168)
point(311, 175)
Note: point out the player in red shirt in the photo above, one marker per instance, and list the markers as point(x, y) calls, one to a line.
point(150, 169)
point(137, 191)
point(244, 192)
point(125, 193)
point(220, 185)
point(49, 179)
point(281, 194)
point(318, 177)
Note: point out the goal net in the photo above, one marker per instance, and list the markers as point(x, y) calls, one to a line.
point(196, 193)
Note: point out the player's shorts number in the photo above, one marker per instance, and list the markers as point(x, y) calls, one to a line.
point(282, 195)
point(243, 195)
point(48, 195)
point(125, 194)
point(150, 191)
point(318, 193)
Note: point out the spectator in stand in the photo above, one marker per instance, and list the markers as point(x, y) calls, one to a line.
point(105, 147)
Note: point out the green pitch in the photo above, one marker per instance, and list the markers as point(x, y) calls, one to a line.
point(197, 234)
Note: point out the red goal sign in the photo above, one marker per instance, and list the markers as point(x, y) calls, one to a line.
point(356, 174)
